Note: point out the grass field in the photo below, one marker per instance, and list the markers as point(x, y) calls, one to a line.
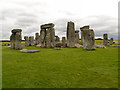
point(65, 68)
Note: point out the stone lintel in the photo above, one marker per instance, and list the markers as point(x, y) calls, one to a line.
point(16, 30)
point(49, 25)
point(85, 27)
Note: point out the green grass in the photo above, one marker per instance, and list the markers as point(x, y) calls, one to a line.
point(65, 68)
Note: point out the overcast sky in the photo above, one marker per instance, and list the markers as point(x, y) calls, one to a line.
point(28, 15)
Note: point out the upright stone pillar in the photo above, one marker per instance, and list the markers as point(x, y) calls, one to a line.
point(77, 36)
point(37, 38)
point(111, 41)
point(70, 35)
point(105, 39)
point(63, 42)
point(31, 41)
point(88, 38)
point(52, 37)
point(48, 39)
point(26, 41)
point(83, 28)
point(42, 37)
point(57, 39)
point(15, 39)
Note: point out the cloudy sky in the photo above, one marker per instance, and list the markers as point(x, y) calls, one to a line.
point(28, 15)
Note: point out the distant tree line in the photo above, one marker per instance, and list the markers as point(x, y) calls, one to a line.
point(7, 40)
point(24, 40)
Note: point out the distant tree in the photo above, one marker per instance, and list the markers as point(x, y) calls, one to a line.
point(99, 39)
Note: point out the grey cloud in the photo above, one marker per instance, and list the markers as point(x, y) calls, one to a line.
point(100, 24)
point(25, 21)
point(15, 13)
point(6, 31)
point(27, 14)
point(11, 13)
point(61, 25)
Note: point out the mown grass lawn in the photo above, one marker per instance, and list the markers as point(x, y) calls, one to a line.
point(65, 68)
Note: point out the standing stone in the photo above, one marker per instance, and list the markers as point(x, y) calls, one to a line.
point(88, 38)
point(47, 35)
point(31, 40)
point(36, 38)
point(42, 37)
point(48, 39)
point(105, 39)
point(77, 36)
point(52, 36)
point(111, 41)
point(26, 41)
point(83, 28)
point(15, 39)
point(57, 39)
point(63, 42)
point(70, 34)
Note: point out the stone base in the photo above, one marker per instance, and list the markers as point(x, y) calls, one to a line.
point(78, 46)
point(39, 45)
point(29, 51)
point(114, 45)
point(100, 46)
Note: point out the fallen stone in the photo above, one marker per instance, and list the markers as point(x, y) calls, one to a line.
point(57, 48)
point(78, 46)
point(114, 45)
point(8, 47)
point(29, 51)
point(100, 46)
point(39, 45)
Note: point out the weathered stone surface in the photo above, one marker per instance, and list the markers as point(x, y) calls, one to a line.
point(70, 34)
point(114, 45)
point(57, 48)
point(100, 46)
point(26, 41)
point(111, 41)
point(42, 37)
point(48, 39)
point(29, 51)
point(39, 45)
point(105, 39)
point(77, 36)
point(8, 47)
point(49, 25)
point(47, 35)
point(52, 34)
point(57, 39)
point(37, 38)
point(63, 42)
point(83, 28)
point(77, 45)
point(15, 39)
point(88, 39)
point(59, 44)
point(31, 41)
